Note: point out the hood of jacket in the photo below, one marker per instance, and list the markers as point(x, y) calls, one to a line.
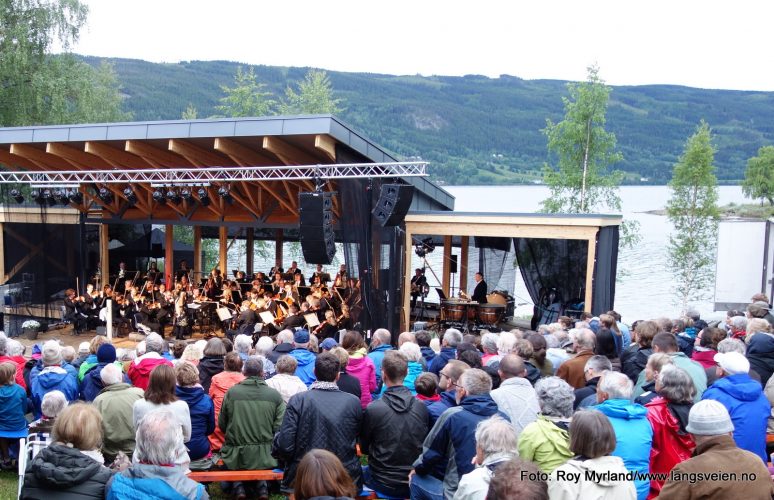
point(170, 475)
point(382, 348)
point(191, 395)
point(480, 404)
point(146, 366)
point(358, 365)
point(449, 398)
point(597, 467)
point(398, 398)
point(740, 387)
point(52, 377)
point(303, 356)
point(414, 370)
point(211, 364)
point(59, 466)
point(761, 343)
point(283, 348)
point(623, 409)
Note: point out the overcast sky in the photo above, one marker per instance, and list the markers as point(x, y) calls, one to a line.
point(708, 44)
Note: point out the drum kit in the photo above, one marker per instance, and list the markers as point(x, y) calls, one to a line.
point(461, 313)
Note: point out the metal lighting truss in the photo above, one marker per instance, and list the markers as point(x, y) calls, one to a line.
point(209, 175)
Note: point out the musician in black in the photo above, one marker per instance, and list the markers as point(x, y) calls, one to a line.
point(418, 285)
point(245, 322)
point(479, 293)
point(72, 313)
point(293, 319)
point(121, 277)
point(182, 270)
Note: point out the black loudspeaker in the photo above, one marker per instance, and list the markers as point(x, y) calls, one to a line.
point(394, 202)
point(316, 227)
point(453, 264)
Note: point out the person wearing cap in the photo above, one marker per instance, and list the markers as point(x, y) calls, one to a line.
point(304, 357)
point(328, 344)
point(92, 381)
point(711, 427)
point(744, 399)
point(760, 309)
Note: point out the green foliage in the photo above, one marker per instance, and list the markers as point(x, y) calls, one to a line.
point(315, 96)
point(189, 113)
point(759, 176)
point(246, 98)
point(693, 210)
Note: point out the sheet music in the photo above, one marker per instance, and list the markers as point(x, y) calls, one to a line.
point(312, 320)
point(267, 317)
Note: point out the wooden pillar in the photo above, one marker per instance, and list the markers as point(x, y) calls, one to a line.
point(197, 260)
point(592, 256)
point(464, 263)
point(407, 273)
point(447, 246)
point(279, 240)
point(223, 250)
point(3, 278)
point(169, 255)
point(250, 244)
point(104, 256)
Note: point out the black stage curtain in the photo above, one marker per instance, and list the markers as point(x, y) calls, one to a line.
point(494, 254)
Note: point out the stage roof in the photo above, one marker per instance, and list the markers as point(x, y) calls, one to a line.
point(198, 144)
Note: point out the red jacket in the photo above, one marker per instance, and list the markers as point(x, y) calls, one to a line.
point(670, 447)
point(704, 358)
point(219, 386)
point(19, 361)
point(141, 368)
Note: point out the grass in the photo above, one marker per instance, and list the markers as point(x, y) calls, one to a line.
point(754, 211)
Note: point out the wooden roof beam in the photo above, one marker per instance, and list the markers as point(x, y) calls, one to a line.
point(327, 145)
point(196, 155)
point(117, 158)
point(76, 157)
point(289, 155)
point(43, 160)
point(241, 155)
point(158, 157)
point(11, 160)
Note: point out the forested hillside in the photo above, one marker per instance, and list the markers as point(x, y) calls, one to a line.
point(479, 130)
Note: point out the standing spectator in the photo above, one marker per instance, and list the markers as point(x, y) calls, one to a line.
point(304, 357)
point(592, 440)
point(221, 383)
point(393, 429)
point(489, 344)
point(200, 409)
point(360, 365)
point(13, 406)
point(265, 347)
point(516, 397)
point(495, 446)
point(633, 361)
point(744, 399)
point(668, 416)
point(322, 417)
point(546, 441)
point(322, 476)
point(707, 346)
point(656, 363)
point(710, 426)
point(52, 377)
point(285, 382)
point(423, 340)
point(346, 382)
point(212, 362)
point(71, 467)
point(160, 395)
point(539, 353)
point(595, 367)
point(250, 416)
point(414, 357)
point(760, 348)
point(633, 433)
point(115, 404)
point(380, 344)
point(427, 388)
point(511, 482)
point(451, 338)
point(451, 442)
point(159, 437)
point(667, 343)
point(572, 370)
point(450, 375)
point(141, 368)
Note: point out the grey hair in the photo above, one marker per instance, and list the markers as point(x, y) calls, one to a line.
point(739, 323)
point(154, 343)
point(411, 351)
point(68, 353)
point(53, 403)
point(3, 344)
point(253, 367)
point(552, 341)
point(159, 437)
point(731, 345)
point(15, 348)
point(598, 364)
point(452, 337)
point(555, 396)
point(585, 338)
point(505, 343)
point(286, 364)
point(111, 374)
point(265, 345)
point(285, 337)
point(676, 385)
point(242, 343)
point(475, 382)
point(489, 342)
point(496, 435)
point(139, 349)
point(383, 336)
point(616, 385)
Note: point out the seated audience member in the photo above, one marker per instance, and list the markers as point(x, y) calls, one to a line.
point(40, 430)
point(516, 397)
point(141, 368)
point(284, 345)
point(72, 466)
point(572, 370)
point(346, 382)
point(707, 346)
point(496, 444)
point(360, 365)
point(250, 416)
point(634, 358)
point(760, 348)
point(668, 416)
point(381, 342)
point(153, 473)
point(265, 347)
point(711, 428)
point(427, 386)
point(506, 342)
point(115, 404)
point(285, 381)
point(450, 375)
point(423, 340)
point(304, 357)
point(607, 344)
point(513, 481)
point(243, 344)
point(633, 433)
point(539, 353)
point(523, 349)
point(450, 445)
point(394, 427)
point(667, 343)
point(311, 415)
point(53, 377)
point(595, 367)
point(449, 342)
point(321, 475)
point(13, 407)
point(7, 346)
point(744, 400)
point(730, 345)
point(212, 362)
point(489, 344)
point(91, 360)
point(221, 383)
point(414, 357)
point(200, 409)
point(546, 440)
point(656, 363)
point(92, 380)
point(160, 395)
point(592, 440)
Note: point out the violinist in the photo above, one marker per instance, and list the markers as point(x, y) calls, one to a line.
point(344, 320)
point(287, 295)
point(72, 313)
point(217, 279)
point(320, 276)
point(293, 319)
point(153, 273)
point(328, 328)
point(121, 277)
point(244, 323)
point(341, 276)
point(298, 278)
point(145, 314)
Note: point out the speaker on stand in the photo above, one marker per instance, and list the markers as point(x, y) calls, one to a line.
point(393, 205)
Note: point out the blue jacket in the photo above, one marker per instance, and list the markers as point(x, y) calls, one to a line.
point(142, 481)
point(634, 437)
point(202, 412)
point(414, 370)
point(377, 356)
point(92, 382)
point(13, 406)
point(428, 354)
point(305, 369)
point(39, 367)
point(53, 379)
point(448, 400)
point(440, 360)
point(749, 409)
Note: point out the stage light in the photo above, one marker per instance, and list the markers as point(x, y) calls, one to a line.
point(186, 195)
point(76, 197)
point(37, 195)
point(173, 196)
point(204, 197)
point(17, 196)
point(130, 196)
point(158, 197)
point(105, 195)
point(60, 195)
point(225, 193)
point(424, 247)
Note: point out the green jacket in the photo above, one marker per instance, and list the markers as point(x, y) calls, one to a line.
point(250, 416)
point(115, 404)
point(544, 443)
